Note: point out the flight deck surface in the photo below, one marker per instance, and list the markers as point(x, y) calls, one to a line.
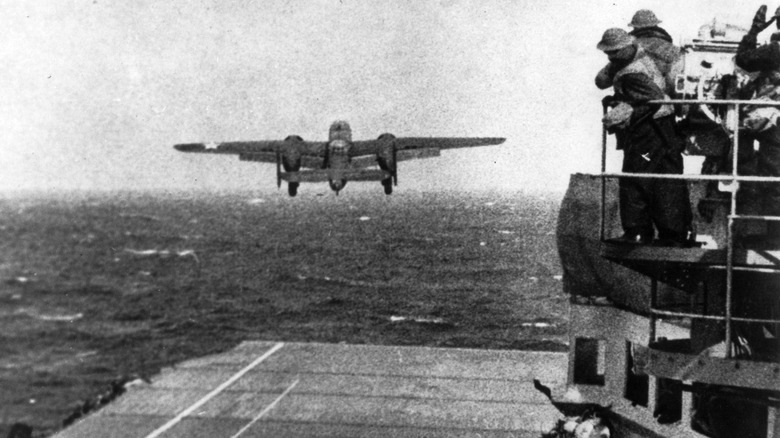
point(277, 389)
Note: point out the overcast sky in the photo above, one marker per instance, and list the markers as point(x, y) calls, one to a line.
point(95, 93)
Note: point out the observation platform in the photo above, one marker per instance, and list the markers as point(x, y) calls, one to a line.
point(274, 389)
point(683, 268)
point(673, 359)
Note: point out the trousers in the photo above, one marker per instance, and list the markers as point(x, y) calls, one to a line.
point(649, 204)
point(763, 162)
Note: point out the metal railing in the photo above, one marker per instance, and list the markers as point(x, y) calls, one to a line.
point(734, 179)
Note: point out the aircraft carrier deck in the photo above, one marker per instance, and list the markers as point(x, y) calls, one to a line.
point(272, 389)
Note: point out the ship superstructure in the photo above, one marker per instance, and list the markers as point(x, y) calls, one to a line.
point(680, 341)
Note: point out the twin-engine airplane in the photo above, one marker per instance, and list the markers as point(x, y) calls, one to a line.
point(339, 159)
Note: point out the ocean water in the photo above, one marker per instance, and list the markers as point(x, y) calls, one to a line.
point(100, 287)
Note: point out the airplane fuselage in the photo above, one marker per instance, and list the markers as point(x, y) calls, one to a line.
point(337, 156)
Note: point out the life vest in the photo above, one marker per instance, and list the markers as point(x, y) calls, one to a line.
point(766, 86)
point(657, 43)
point(645, 65)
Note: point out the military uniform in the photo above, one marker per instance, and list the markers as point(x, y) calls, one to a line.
point(650, 144)
point(761, 58)
point(657, 43)
point(761, 123)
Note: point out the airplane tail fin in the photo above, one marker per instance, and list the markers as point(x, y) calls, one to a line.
point(323, 175)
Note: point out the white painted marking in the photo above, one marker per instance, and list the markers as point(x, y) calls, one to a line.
point(162, 429)
point(707, 241)
point(266, 410)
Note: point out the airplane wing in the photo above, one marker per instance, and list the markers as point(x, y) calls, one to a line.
point(367, 147)
point(409, 154)
point(312, 153)
point(311, 161)
point(364, 161)
point(405, 143)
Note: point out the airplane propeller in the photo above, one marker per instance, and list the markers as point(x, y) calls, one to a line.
point(278, 169)
point(395, 166)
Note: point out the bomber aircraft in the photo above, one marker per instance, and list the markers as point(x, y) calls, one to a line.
point(339, 159)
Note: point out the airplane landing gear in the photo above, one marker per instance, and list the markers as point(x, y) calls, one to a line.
point(292, 188)
point(388, 185)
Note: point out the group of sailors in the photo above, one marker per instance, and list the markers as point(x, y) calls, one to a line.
point(643, 65)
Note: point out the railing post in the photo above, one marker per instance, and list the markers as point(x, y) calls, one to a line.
point(602, 224)
point(730, 235)
point(653, 305)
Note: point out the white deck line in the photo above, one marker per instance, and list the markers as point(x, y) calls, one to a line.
point(162, 429)
point(265, 411)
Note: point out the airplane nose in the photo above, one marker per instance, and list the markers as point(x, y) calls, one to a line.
point(337, 185)
point(339, 147)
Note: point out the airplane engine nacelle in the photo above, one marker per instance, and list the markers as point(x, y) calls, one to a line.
point(386, 152)
point(291, 153)
point(289, 157)
point(386, 155)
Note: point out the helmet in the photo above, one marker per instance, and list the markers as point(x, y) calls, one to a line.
point(614, 39)
point(643, 18)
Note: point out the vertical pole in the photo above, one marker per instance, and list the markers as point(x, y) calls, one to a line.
point(730, 235)
point(653, 304)
point(602, 223)
point(773, 422)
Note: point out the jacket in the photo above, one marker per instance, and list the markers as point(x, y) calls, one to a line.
point(762, 58)
point(765, 60)
point(640, 81)
point(658, 44)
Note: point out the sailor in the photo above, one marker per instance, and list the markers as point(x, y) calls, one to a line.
point(761, 122)
point(646, 134)
point(657, 43)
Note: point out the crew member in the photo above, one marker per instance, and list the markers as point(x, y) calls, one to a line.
point(657, 43)
point(761, 122)
point(646, 134)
